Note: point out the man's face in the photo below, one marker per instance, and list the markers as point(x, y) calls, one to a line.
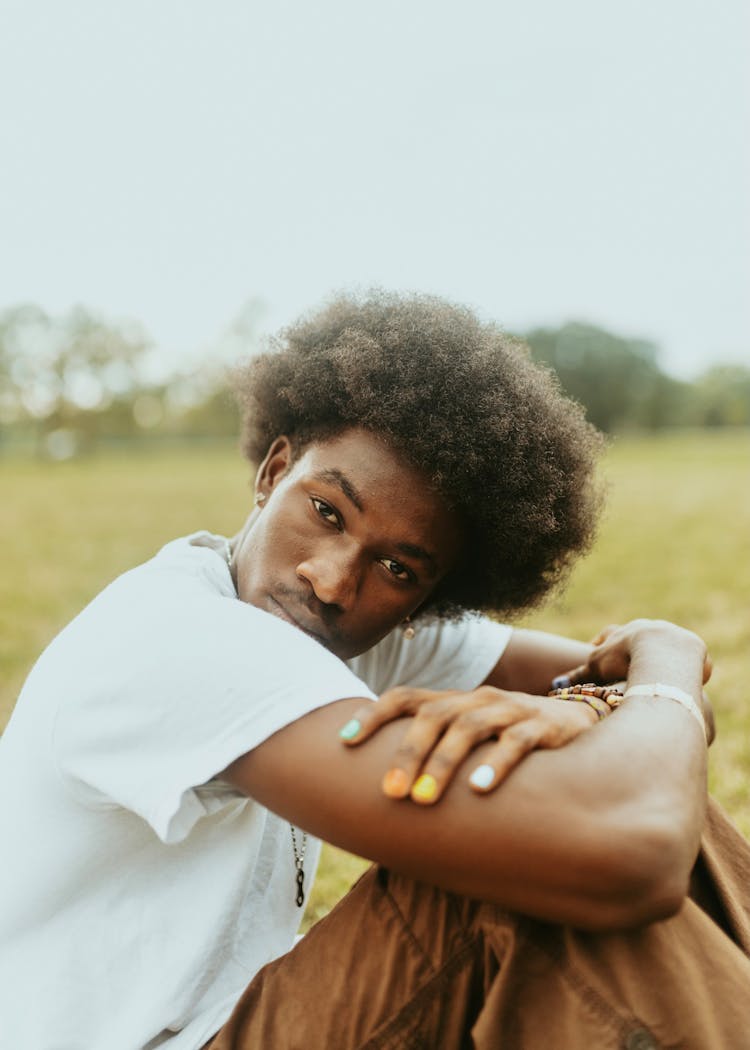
point(349, 541)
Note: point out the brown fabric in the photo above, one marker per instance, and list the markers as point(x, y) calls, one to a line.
point(402, 965)
point(721, 840)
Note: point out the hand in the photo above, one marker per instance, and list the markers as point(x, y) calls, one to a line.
point(448, 726)
point(609, 660)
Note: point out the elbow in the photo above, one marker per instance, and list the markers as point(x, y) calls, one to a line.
point(648, 880)
point(634, 909)
point(661, 899)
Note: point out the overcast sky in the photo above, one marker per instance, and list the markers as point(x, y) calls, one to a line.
point(168, 160)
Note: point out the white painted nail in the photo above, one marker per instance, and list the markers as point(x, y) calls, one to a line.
point(482, 777)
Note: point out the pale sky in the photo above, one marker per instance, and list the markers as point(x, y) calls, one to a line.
point(168, 160)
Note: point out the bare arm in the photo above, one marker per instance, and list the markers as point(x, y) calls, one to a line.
point(533, 658)
point(600, 834)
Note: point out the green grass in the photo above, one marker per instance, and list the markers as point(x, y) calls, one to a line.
point(673, 543)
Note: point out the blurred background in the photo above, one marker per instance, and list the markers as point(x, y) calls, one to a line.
point(180, 179)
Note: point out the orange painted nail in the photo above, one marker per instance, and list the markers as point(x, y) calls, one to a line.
point(425, 788)
point(396, 784)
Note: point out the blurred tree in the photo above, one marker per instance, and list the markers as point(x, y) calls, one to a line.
point(722, 396)
point(616, 379)
point(63, 374)
point(75, 380)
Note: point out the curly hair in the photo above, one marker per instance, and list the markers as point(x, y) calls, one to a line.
point(463, 403)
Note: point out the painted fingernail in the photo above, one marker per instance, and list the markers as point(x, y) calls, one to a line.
point(396, 784)
point(561, 682)
point(350, 730)
point(425, 788)
point(482, 777)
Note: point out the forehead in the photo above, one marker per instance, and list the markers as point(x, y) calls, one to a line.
point(368, 464)
point(381, 485)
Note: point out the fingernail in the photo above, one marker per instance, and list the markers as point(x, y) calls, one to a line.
point(425, 788)
point(396, 784)
point(350, 730)
point(561, 682)
point(482, 777)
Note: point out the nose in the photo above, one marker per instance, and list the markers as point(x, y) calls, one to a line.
point(333, 576)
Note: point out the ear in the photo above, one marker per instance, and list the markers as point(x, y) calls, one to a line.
point(277, 462)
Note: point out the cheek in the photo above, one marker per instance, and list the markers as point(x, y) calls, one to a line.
point(380, 609)
point(275, 539)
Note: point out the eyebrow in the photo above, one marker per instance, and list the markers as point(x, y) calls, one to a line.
point(336, 477)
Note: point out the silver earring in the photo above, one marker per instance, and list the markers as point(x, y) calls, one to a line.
point(407, 629)
point(260, 499)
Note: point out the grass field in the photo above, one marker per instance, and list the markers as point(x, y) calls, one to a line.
point(674, 543)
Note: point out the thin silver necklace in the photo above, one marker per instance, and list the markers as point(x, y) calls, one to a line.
point(297, 850)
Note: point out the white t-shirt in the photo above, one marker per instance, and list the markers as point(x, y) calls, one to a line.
point(138, 896)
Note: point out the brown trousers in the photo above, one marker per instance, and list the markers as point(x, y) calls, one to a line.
point(402, 965)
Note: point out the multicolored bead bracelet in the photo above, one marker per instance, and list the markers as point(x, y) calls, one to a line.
point(605, 698)
point(602, 698)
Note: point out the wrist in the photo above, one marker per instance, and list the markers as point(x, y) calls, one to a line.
point(654, 636)
point(666, 691)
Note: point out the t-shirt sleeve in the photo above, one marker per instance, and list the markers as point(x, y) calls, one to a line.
point(163, 682)
point(443, 654)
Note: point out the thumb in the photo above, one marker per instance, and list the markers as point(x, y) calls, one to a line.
point(576, 676)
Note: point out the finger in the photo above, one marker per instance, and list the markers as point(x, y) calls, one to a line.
point(395, 703)
point(584, 672)
point(546, 730)
point(565, 722)
point(605, 665)
point(459, 740)
point(515, 743)
point(417, 743)
point(604, 634)
point(575, 676)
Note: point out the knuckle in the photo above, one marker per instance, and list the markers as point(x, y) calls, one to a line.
point(399, 696)
point(447, 704)
point(408, 751)
point(367, 717)
point(430, 715)
point(470, 721)
point(441, 762)
point(522, 732)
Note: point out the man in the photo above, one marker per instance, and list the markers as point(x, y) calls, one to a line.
point(413, 465)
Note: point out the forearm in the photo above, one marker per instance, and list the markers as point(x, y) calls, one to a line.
point(646, 766)
point(599, 834)
point(533, 658)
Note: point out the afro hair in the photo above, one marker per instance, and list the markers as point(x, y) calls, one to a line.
point(462, 402)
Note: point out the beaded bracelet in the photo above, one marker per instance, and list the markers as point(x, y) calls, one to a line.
point(602, 698)
point(605, 698)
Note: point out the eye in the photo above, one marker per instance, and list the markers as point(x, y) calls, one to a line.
point(326, 511)
point(396, 569)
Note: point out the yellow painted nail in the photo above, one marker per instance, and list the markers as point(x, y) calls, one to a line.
point(396, 784)
point(425, 788)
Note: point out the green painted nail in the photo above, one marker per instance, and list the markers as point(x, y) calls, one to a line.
point(350, 730)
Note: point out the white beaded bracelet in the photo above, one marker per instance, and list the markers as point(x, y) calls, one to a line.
point(669, 692)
